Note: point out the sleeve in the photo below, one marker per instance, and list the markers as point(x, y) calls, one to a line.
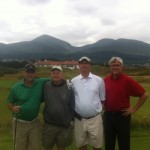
point(44, 91)
point(102, 90)
point(11, 96)
point(44, 82)
point(135, 89)
point(72, 103)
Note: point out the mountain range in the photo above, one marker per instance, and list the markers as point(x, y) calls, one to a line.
point(48, 47)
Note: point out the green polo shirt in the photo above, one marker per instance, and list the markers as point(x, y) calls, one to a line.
point(28, 98)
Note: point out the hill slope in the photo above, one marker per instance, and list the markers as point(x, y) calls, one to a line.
point(48, 47)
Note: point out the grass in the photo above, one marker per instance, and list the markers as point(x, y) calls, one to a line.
point(140, 125)
point(139, 140)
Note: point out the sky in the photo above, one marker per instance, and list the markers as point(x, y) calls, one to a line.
point(78, 22)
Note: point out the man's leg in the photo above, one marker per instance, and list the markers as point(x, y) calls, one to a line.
point(109, 131)
point(80, 134)
point(20, 132)
point(123, 134)
point(34, 136)
point(95, 132)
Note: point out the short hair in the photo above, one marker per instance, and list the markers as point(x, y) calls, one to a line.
point(116, 59)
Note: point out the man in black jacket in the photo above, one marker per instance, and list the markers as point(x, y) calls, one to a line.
point(58, 111)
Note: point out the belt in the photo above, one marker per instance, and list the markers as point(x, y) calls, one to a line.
point(24, 121)
point(91, 116)
point(114, 113)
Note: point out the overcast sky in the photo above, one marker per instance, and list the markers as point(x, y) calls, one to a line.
point(78, 22)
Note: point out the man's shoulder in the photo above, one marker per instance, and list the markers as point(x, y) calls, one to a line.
point(128, 78)
point(17, 84)
point(96, 77)
point(49, 82)
point(69, 84)
point(42, 80)
point(107, 77)
point(76, 78)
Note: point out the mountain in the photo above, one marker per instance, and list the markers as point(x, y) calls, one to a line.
point(48, 47)
point(41, 47)
point(132, 51)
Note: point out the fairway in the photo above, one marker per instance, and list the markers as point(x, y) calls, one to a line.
point(140, 126)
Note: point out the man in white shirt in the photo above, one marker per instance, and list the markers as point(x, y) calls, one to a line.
point(89, 93)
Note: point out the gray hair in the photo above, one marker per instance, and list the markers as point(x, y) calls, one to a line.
point(116, 59)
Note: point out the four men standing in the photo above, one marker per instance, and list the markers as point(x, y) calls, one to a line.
point(85, 99)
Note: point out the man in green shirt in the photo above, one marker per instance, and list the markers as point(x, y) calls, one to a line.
point(24, 101)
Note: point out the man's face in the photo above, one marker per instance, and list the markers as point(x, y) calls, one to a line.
point(116, 67)
point(56, 75)
point(85, 65)
point(29, 75)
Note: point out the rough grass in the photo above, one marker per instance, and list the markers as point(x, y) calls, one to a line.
point(140, 120)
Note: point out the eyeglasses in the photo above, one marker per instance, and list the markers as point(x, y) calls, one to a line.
point(84, 62)
point(117, 65)
point(30, 71)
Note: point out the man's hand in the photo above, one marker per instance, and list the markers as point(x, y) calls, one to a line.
point(16, 109)
point(128, 111)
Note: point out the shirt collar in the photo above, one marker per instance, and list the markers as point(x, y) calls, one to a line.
point(23, 83)
point(118, 77)
point(89, 76)
point(57, 85)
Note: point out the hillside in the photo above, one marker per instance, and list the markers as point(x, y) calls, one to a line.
point(48, 47)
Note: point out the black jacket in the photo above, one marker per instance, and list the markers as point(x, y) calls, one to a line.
point(59, 104)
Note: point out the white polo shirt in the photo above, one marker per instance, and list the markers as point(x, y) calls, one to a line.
point(89, 92)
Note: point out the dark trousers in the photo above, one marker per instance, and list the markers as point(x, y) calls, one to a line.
point(116, 126)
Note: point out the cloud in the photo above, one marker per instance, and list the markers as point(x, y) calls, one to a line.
point(107, 21)
point(78, 22)
point(30, 2)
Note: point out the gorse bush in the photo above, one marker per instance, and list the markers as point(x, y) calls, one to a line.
point(6, 70)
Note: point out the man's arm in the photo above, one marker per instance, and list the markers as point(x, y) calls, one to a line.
point(140, 102)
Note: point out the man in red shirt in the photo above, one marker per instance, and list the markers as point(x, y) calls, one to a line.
point(117, 115)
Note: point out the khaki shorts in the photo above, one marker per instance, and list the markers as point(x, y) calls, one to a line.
point(58, 135)
point(89, 131)
point(27, 135)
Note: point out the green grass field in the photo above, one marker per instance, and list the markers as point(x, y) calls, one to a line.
point(140, 138)
point(140, 126)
